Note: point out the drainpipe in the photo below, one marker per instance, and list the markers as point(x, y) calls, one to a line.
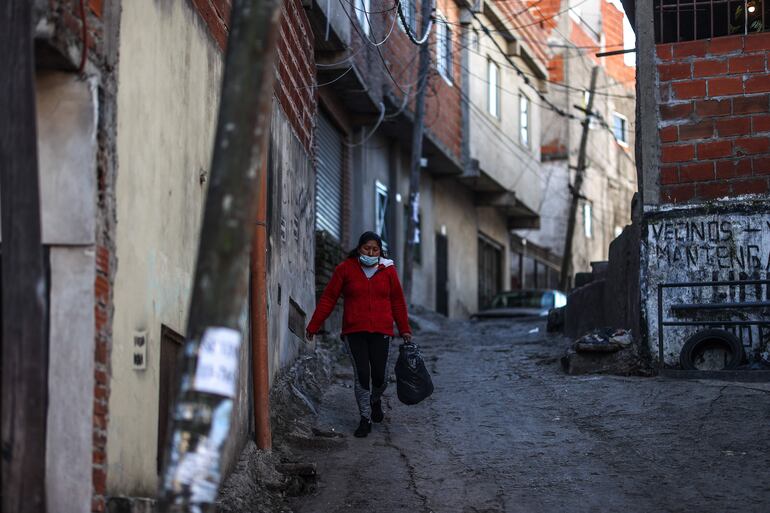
point(260, 367)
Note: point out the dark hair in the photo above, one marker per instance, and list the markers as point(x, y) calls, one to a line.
point(363, 239)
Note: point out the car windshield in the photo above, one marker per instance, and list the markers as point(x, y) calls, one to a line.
point(524, 299)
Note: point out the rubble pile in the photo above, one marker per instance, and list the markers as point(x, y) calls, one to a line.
point(604, 351)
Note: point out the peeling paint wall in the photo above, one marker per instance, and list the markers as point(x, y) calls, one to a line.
point(168, 98)
point(722, 242)
point(291, 245)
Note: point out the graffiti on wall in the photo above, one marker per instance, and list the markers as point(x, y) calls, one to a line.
point(688, 249)
point(721, 243)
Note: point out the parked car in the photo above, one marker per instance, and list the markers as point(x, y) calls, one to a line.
point(523, 303)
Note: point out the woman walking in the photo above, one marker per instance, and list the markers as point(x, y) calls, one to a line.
point(373, 300)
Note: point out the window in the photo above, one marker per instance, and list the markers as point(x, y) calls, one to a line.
point(381, 211)
point(417, 233)
point(362, 13)
point(524, 120)
point(620, 128)
point(588, 219)
point(475, 40)
point(493, 88)
point(409, 9)
point(688, 20)
point(444, 49)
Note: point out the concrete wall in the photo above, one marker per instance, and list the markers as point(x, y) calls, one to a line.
point(167, 105)
point(495, 142)
point(728, 241)
point(291, 246)
point(610, 176)
point(67, 116)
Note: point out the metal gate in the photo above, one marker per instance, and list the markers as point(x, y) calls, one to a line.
point(490, 270)
point(328, 189)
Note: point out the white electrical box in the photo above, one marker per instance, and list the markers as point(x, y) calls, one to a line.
point(139, 361)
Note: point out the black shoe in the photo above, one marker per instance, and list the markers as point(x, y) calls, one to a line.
point(364, 428)
point(377, 413)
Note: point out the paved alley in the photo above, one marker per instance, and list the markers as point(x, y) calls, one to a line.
point(507, 431)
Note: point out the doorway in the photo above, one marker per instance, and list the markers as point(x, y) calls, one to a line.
point(442, 274)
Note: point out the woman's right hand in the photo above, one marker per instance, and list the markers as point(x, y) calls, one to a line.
point(309, 335)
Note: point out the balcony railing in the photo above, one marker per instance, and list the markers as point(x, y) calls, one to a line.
point(688, 20)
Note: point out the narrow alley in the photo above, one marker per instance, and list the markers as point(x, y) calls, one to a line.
point(507, 431)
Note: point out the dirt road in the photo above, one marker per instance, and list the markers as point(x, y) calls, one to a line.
point(507, 431)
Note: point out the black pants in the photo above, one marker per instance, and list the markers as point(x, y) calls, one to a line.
point(369, 355)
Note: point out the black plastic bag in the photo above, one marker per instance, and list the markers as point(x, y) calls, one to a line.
point(413, 382)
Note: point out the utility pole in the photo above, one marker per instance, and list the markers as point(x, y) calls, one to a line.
point(201, 416)
point(566, 263)
point(24, 282)
point(416, 163)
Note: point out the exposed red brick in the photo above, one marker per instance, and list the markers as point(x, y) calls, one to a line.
point(713, 190)
point(667, 134)
point(670, 112)
point(729, 44)
point(752, 145)
point(102, 259)
point(101, 377)
point(99, 458)
point(750, 104)
point(713, 107)
point(677, 153)
point(725, 86)
point(732, 168)
point(750, 186)
point(100, 480)
point(761, 165)
point(715, 149)
point(757, 42)
point(690, 49)
point(733, 126)
point(689, 89)
point(674, 71)
point(678, 193)
point(702, 130)
point(760, 123)
point(758, 84)
point(697, 172)
point(669, 175)
point(96, 7)
point(663, 51)
point(747, 63)
point(709, 68)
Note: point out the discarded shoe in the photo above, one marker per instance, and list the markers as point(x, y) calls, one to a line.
point(377, 413)
point(364, 428)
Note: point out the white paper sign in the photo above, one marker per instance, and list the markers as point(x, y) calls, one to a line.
point(217, 368)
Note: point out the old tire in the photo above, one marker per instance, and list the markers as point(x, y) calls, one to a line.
point(704, 340)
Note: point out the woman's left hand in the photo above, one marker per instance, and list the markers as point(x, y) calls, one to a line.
point(407, 337)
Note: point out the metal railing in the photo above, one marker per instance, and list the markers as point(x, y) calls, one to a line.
point(741, 328)
point(689, 20)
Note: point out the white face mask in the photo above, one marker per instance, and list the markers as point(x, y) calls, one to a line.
point(368, 261)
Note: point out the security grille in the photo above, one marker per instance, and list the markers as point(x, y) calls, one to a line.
point(688, 20)
point(328, 190)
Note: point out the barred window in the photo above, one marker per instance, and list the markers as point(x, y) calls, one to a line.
point(688, 20)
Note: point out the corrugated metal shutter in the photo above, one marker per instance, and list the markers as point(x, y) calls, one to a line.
point(328, 186)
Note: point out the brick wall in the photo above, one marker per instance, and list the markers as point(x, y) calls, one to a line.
point(294, 64)
point(100, 50)
point(714, 124)
point(295, 71)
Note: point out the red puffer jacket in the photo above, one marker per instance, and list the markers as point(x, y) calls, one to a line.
point(371, 304)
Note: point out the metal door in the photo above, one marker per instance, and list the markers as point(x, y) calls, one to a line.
point(490, 270)
point(442, 274)
point(328, 190)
